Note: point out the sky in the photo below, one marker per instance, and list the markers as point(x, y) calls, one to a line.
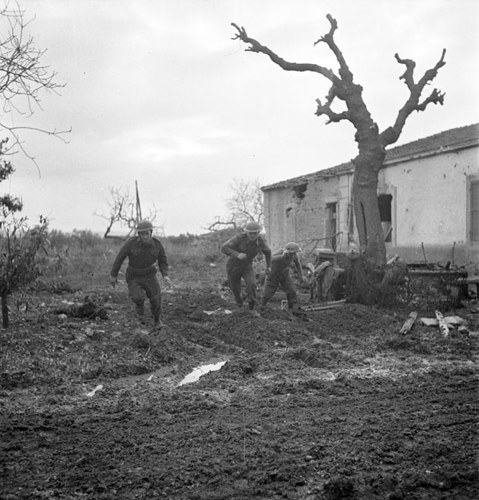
point(159, 92)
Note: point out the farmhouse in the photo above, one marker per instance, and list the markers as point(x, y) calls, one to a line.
point(428, 196)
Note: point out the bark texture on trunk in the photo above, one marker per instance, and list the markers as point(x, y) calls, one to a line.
point(366, 208)
point(5, 320)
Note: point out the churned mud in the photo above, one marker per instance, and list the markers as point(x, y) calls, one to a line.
point(334, 404)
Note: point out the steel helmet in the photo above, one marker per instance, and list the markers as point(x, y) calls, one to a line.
point(292, 247)
point(144, 225)
point(253, 227)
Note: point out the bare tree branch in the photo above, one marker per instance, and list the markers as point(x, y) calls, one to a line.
point(246, 202)
point(413, 103)
point(23, 78)
point(343, 86)
point(220, 224)
point(255, 46)
point(344, 72)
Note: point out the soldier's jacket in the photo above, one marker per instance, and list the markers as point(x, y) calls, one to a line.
point(240, 243)
point(142, 258)
point(280, 262)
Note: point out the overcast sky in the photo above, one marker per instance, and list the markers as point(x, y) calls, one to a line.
point(157, 91)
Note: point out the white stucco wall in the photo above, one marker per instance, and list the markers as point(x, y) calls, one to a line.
point(430, 204)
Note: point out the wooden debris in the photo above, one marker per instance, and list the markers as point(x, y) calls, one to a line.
point(95, 390)
point(450, 321)
point(409, 323)
point(324, 305)
point(442, 323)
point(429, 321)
point(454, 320)
point(393, 259)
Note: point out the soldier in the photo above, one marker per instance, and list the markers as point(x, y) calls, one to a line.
point(241, 250)
point(279, 276)
point(143, 252)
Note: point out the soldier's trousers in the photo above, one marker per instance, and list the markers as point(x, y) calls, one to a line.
point(283, 280)
point(146, 286)
point(237, 270)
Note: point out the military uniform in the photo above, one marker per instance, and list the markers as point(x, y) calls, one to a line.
point(141, 272)
point(237, 268)
point(279, 276)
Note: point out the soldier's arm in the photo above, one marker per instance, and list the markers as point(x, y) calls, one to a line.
point(277, 257)
point(267, 252)
point(297, 264)
point(162, 260)
point(228, 248)
point(122, 255)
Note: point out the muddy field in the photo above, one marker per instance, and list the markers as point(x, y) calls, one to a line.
point(333, 405)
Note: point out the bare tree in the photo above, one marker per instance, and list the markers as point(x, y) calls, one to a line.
point(125, 212)
point(246, 201)
point(245, 204)
point(371, 141)
point(23, 76)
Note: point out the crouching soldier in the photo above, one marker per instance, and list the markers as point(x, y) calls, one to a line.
point(241, 250)
point(143, 252)
point(280, 277)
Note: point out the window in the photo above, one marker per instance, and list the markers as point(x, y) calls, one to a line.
point(475, 211)
point(385, 202)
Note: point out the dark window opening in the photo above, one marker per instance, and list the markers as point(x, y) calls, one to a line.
point(300, 190)
point(332, 224)
point(475, 211)
point(385, 214)
point(288, 211)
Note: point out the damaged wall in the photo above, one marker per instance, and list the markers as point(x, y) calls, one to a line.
point(426, 192)
point(312, 213)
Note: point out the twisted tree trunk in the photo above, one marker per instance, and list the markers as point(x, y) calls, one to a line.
point(371, 143)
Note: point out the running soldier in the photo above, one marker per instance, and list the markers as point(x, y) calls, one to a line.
point(241, 250)
point(143, 252)
point(280, 276)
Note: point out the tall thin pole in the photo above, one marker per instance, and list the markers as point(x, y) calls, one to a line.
point(138, 204)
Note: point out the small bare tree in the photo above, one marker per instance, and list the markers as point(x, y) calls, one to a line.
point(245, 204)
point(125, 212)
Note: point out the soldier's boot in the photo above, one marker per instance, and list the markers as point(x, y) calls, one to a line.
point(262, 308)
point(140, 312)
point(252, 311)
point(296, 310)
point(157, 322)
